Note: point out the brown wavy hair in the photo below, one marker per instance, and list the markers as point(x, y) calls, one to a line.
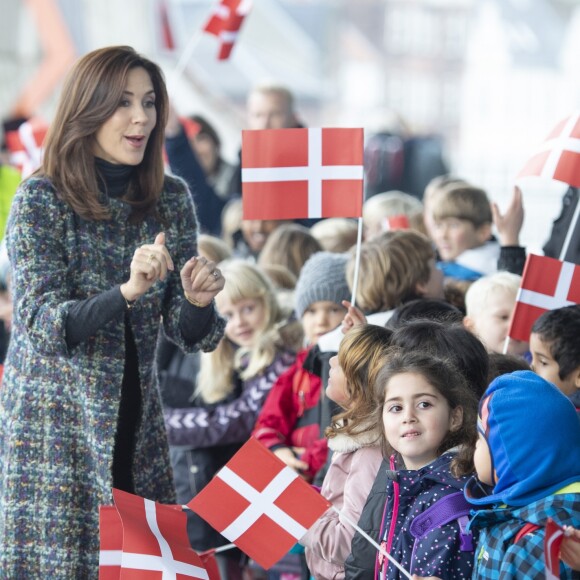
point(361, 355)
point(91, 94)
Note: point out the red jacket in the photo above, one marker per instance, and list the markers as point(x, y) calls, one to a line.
point(290, 416)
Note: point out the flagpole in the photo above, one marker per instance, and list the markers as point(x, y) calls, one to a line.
point(372, 542)
point(357, 261)
point(506, 345)
point(224, 548)
point(185, 56)
point(571, 230)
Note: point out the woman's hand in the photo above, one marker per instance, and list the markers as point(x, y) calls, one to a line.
point(354, 317)
point(150, 263)
point(201, 280)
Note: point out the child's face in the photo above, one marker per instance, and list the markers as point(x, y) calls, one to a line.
point(453, 236)
point(491, 324)
point(416, 418)
point(336, 389)
point(482, 461)
point(321, 317)
point(544, 365)
point(245, 318)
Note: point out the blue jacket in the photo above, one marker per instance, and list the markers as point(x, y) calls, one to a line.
point(499, 557)
point(438, 553)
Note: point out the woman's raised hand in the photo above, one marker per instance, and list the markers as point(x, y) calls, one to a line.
point(150, 263)
point(201, 280)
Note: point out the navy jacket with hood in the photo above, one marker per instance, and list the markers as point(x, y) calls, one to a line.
point(439, 552)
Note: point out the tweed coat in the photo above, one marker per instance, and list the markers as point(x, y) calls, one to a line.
point(59, 407)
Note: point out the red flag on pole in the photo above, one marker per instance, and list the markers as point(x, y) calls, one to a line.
point(154, 541)
point(553, 537)
point(546, 284)
point(259, 503)
point(167, 39)
point(25, 145)
point(559, 156)
point(302, 173)
point(225, 23)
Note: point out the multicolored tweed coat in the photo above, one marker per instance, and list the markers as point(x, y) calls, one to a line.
point(59, 407)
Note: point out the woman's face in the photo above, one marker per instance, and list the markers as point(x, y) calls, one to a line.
point(122, 138)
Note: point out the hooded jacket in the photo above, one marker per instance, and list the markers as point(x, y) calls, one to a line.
point(355, 461)
point(439, 552)
point(533, 436)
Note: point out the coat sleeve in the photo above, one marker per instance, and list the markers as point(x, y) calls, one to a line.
point(329, 539)
point(279, 413)
point(37, 238)
point(179, 211)
point(223, 424)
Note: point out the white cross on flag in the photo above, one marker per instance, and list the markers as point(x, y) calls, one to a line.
point(547, 284)
point(259, 503)
point(225, 23)
point(144, 539)
point(302, 173)
point(25, 145)
point(554, 535)
point(559, 156)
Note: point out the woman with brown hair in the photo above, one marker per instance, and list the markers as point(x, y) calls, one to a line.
point(95, 238)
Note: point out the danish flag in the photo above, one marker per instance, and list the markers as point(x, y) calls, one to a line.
point(546, 284)
point(225, 23)
point(553, 537)
point(302, 173)
point(259, 503)
point(559, 156)
point(25, 146)
point(140, 537)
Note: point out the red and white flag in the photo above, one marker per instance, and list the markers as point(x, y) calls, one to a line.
point(154, 542)
point(302, 173)
point(259, 503)
point(165, 28)
point(546, 284)
point(553, 537)
point(225, 23)
point(559, 156)
point(25, 146)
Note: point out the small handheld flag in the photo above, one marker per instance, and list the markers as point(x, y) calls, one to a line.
point(225, 23)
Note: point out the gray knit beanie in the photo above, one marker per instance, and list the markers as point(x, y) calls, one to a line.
point(323, 277)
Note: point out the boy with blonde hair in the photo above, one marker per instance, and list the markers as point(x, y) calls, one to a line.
point(462, 223)
point(489, 305)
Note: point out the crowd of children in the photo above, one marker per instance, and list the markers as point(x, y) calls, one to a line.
point(445, 442)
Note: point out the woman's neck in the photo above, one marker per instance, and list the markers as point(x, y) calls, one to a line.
point(113, 179)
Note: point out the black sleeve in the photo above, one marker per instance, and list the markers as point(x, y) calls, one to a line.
point(87, 316)
point(512, 259)
point(195, 322)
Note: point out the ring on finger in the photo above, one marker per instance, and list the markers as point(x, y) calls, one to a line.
point(216, 274)
point(150, 258)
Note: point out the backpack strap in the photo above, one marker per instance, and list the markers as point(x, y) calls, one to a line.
point(525, 530)
point(451, 507)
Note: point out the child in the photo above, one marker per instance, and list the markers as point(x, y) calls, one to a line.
point(529, 452)
point(335, 234)
point(354, 440)
point(426, 410)
point(555, 347)
point(462, 232)
point(405, 210)
point(206, 427)
point(289, 423)
point(489, 304)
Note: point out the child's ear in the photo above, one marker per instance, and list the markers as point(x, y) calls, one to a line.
point(483, 233)
point(576, 377)
point(456, 419)
point(468, 323)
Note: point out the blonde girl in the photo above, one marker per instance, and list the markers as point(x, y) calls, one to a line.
point(354, 439)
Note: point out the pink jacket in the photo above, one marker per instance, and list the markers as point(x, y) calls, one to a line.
point(355, 463)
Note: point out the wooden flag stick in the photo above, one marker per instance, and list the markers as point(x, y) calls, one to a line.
point(506, 345)
point(372, 542)
point(224, 548)
point(571, 230)
point(357, 261)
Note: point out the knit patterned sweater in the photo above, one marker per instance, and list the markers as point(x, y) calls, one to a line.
point(58, 405)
